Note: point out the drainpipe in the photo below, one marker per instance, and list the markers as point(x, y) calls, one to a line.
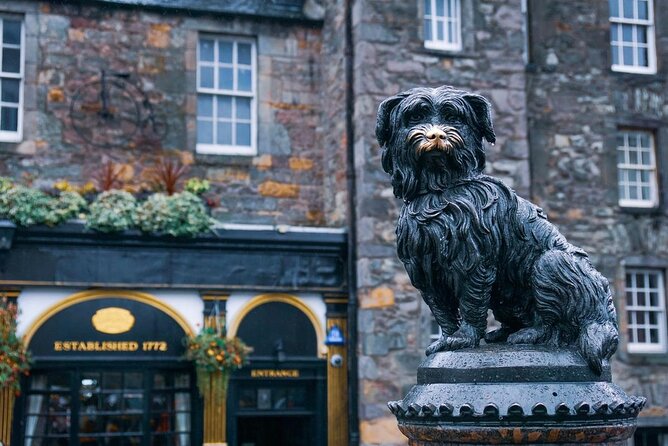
point(353, 395)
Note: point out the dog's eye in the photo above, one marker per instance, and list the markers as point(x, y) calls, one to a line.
point(417, 115)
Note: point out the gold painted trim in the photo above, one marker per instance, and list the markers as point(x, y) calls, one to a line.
point(283, 298)
point(10, 294)
point(84, 296)
point(336, 300)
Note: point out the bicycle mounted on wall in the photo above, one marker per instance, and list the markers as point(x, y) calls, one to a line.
point(111, 110)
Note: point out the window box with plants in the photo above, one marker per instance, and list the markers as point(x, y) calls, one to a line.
point(164, 204)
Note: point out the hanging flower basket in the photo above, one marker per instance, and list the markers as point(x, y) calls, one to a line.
point(216, 357)
point(14, 359)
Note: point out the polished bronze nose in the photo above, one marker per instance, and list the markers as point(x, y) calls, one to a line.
point(434, 133)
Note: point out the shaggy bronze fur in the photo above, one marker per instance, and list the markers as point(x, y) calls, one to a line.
point(469, 243)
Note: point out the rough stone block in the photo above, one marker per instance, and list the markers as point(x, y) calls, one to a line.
point(278, 190)
point(378, 297)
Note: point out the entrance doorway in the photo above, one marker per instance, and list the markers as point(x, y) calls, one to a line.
point(280, 398)
point(103, 404)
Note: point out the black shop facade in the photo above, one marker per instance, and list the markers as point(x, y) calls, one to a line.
point(105, 318)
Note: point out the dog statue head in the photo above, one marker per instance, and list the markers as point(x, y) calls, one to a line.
point(431, 137)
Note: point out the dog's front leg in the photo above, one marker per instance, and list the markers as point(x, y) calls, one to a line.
point(445, 311)
point(474, 300)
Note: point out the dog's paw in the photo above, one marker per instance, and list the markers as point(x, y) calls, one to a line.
point(498, 335)
point(438, 345)
point(458, 341)
point(529, 335)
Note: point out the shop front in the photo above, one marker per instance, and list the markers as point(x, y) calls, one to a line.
point(109, 363)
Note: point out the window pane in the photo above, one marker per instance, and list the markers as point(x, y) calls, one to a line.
point(243, 134)
point(206, 50)
point(206, 77)
point(615, 55)
point(645, 193)
point(205, 105)
point(628, 55)
point(633, 157)
point(225, 51)
point(10, 90)
point(244, 77)
point(204, 132)
point(614, 32)
point(225, 78)
point(224, 135)
point(427, 29)
point(440, 8)
point(628, 9)
point(642, 57)
point(224, 107)
point(641, 34)
point(644, 139)
point(643, 12)
point(243, 108)
point(244, 53)
point(134, 381)
point(427, 7)
point(11, 60)
point(11, 32)
point(627, 33)
point(614, 8)
point(439, 30)
point(9, 119)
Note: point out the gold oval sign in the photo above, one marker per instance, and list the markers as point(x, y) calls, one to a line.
point(113, 320)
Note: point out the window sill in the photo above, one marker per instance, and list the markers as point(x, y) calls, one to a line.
point(459, 54)
point(10, 137)
point(633, 70)
point(638, 210)
point(212, 149)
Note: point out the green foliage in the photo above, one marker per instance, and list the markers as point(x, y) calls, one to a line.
point(197, 186)
point(67, 206)
point(26, 206)
point(113, 210)
point(14, 359)
point(5, 184)
point(181, 214)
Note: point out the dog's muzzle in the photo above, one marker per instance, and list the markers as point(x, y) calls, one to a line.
point(427, 138)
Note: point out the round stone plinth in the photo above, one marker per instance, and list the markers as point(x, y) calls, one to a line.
point(500, 394)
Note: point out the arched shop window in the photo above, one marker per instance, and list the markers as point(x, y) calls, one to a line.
point(114, 377)
point(278, 329)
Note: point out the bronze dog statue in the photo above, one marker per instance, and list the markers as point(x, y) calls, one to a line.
point(469, 243)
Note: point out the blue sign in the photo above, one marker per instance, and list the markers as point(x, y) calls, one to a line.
point(334, 336)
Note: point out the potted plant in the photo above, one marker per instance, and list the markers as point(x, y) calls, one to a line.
point(14, 359)
point(215, 356)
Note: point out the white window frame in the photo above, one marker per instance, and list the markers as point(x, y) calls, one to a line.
point(225, 149)
point(634, 308)
point(6, 135)
point(638, 167)
point(635, 23)
point(433, 19)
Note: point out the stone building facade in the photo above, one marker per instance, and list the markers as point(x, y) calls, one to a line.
point(320, 70)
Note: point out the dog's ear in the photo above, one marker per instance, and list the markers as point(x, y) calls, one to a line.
point(383, 125)
point(483, 114)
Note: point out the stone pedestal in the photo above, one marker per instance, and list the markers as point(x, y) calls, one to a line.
point(500, 394)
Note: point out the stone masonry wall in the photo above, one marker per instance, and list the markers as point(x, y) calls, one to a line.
point(68, 44)
point(576, 104)
point(394, 323)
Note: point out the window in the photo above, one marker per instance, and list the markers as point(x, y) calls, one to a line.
point(442, 25)
point(108, 406)
point(226, 109)
point(645, 311)
point(11, 80)
point(636, 169)
point(632, 36)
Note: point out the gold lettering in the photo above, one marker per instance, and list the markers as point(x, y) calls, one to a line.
point(273, 373)
point(58, 346)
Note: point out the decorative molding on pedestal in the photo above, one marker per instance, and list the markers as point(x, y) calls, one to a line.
point(500, 394)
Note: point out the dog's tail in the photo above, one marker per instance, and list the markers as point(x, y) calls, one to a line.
point(570, 293)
